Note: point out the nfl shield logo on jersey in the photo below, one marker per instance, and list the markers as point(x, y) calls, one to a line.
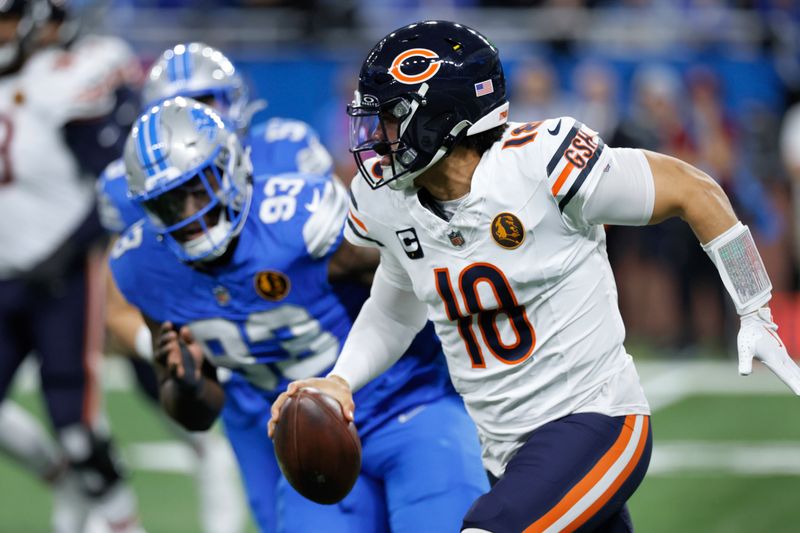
point(221, 295)
point(456, 238)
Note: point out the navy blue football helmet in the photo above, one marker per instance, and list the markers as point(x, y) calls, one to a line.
point(29, 16)
point(421, 89)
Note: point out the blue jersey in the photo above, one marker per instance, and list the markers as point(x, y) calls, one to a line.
point(277, 146)
point(117, 211)
point(281, 145)
point(269, 314)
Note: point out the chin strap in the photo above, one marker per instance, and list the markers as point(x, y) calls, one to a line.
point(404, 182)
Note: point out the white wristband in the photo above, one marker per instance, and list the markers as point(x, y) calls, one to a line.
point(740, 266)
point(143, 343)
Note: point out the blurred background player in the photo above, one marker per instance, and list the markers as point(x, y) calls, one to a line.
point(62, 110)
point(245, 270)
point(198, 70)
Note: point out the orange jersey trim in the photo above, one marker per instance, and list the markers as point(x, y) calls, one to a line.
point(562, 178)
point(357, 221)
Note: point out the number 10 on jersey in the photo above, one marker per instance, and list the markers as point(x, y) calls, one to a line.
point(468, 282)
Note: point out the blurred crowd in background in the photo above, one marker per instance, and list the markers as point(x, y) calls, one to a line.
point(709, 81)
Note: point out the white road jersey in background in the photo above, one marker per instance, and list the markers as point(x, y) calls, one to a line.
point(517, 283)
point(43, 197)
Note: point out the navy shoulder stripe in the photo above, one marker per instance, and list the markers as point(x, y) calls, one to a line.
point(551, 166)
point(576, 185)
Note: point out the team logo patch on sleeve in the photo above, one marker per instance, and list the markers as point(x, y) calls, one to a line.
point(272, 285)
point(507, 230)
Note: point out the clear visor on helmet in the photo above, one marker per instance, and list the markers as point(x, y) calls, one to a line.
point(375, 132)
point(377, 128)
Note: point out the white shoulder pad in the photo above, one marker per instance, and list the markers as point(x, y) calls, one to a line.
point(360, 228)
point(323, 227)
point(115, 170)
point(79, 83)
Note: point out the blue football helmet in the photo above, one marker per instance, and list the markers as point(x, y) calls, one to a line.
point(421, 89)
point(201, 72)
point(189, 173)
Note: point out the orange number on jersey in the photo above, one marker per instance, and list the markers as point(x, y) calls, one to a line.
point(468, 281)
point(518, 137)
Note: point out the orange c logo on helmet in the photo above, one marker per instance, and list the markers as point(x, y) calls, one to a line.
point(396, 70)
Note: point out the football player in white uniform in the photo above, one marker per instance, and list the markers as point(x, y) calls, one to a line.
point(494, 232)
point(58, 108)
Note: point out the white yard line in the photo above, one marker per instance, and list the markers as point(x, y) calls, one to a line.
point(665, 383)
point(726, 457)
point(171, 457)
point(668, 382)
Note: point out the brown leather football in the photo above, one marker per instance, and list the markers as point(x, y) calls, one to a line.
point(317, 450)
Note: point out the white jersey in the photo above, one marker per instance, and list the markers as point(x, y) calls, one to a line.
point(517, 283)
point(43, 197)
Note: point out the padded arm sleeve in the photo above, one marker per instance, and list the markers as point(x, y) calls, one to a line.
point(740, 266)
point(383, 331)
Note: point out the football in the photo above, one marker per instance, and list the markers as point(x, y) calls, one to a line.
point(317, 450)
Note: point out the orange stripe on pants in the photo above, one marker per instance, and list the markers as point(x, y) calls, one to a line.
point(592, 478)
point(603, 499)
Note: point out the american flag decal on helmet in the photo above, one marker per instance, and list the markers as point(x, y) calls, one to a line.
point(483, 88)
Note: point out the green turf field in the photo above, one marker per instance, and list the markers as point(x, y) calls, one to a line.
point(725, 460)
point(168, 501)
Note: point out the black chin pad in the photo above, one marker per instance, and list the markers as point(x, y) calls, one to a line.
point(381, 148)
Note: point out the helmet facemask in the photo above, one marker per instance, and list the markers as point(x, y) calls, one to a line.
point(201, 212)
point(377, 142)
point(450, 80)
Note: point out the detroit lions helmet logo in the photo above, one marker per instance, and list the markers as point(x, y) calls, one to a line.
point(507, 230)
point(205, 122)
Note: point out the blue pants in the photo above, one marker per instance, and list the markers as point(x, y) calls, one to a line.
point(420, 473)
point(575, 473)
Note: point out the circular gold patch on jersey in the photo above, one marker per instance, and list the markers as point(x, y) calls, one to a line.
point(272, 285)
point(507, 230)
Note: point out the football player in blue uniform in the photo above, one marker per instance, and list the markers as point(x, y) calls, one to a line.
point(235, 262)
point(200, 71)
point(192, 68)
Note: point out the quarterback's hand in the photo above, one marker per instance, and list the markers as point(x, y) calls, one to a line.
point(758, 338)
point(333, 386)
point(180, 353)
